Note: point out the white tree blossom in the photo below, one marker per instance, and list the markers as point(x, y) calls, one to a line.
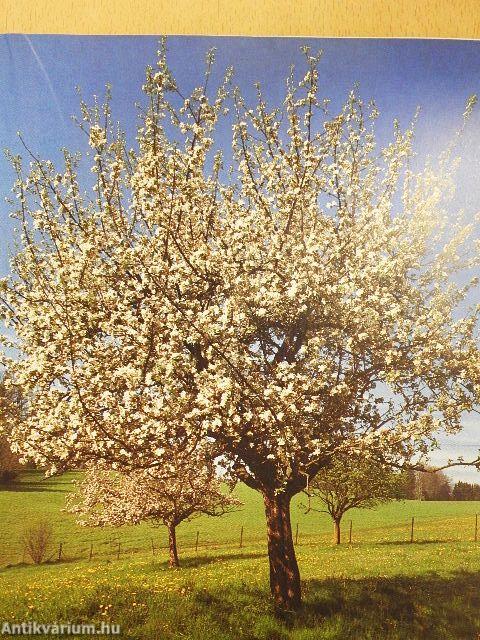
point(300, 305)
point(171, 494)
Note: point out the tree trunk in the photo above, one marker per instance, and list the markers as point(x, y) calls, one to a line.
point(172, 543)
point(284, 573)
point(336, 530)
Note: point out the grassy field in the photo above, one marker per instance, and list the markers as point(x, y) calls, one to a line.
point(380, 588)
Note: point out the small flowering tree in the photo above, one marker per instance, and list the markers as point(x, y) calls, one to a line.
point(171, 494)
point(302, 305)
point(350, 483)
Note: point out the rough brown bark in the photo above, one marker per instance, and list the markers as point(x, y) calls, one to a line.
point(336, 531)
point(172, 543)
point(284, 573)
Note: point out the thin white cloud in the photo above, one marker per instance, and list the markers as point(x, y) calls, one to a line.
point(47, 79)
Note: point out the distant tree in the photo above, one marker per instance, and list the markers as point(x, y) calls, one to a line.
point(9, 462)
point(424, 485)
point(432, 485)
point(461, 491)
point(171, 494)
point(350, 483)
point(444, 491)
point(406, 485)
point(466, 491)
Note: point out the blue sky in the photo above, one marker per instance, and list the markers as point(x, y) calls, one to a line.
point(38, 76)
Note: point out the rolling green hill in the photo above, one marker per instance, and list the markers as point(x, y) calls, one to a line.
point(381, 587)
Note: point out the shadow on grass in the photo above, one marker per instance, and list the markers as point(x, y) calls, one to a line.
point(373, 543)
point(430, 607)
point(407, 543)
point(402, 607)
point(32, 486)
point(35, 480)
point(30, 565)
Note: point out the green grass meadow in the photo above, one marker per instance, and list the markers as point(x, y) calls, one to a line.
point(380, 587)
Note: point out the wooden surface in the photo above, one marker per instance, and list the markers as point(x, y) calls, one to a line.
point(355, 18)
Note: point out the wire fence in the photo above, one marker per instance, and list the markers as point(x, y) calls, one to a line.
point(115, 547)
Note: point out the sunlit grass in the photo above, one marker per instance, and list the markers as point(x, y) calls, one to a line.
point(380, 587)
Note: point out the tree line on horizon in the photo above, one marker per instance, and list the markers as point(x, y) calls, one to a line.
point(420, 485)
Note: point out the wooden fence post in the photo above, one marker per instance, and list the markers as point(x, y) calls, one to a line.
point(476, 527)
point(153, 548)
point(411, 529)
point(91, 551)
point(296, 534)
point(60, 551)
point(118, 551)
point(196, 542)
point(350, 533)
point(241, 538)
